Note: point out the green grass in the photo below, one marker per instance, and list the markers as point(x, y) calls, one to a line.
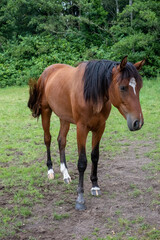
point(22, 157)
point(135, 191)
point(60, 216)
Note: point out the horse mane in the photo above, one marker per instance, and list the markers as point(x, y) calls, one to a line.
point(98, 77)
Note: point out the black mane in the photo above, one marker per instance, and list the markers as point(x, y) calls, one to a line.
point(98, 76)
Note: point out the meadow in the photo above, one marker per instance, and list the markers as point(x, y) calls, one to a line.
point(32, 207)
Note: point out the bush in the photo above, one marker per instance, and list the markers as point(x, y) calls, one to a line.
point(29, 56)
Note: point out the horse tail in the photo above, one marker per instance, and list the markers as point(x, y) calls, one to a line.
point(35, 97)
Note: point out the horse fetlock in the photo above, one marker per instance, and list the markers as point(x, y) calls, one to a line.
point(50, 174)
point(64, 171)
point(95, 191)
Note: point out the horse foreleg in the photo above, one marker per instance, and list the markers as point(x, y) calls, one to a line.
point(64, 128)
point(82, 133)
point(46, 115)
point(96, 137)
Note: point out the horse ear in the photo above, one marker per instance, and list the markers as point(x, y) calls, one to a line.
point(139, 65)
point(123, 63)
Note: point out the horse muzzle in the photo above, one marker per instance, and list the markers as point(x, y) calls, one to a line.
point(134, 124)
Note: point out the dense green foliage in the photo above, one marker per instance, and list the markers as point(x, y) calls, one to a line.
point(35, 34)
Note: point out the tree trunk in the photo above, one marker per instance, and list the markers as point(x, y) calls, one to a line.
point(131, 15)
point(117, 8)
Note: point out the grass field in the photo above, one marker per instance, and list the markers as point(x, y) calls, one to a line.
point(23, 173)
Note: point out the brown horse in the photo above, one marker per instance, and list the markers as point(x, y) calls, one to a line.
point(83, 95)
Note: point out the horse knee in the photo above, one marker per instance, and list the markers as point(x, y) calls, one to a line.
point(61, 142)
point(82, 165)
point(82, 162)
point(95, 155)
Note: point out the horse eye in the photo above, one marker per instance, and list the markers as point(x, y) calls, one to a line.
point(123, 88)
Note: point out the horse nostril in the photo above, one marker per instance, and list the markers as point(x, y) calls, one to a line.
point(136, 125)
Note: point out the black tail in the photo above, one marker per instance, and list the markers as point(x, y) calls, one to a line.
point(35, 95)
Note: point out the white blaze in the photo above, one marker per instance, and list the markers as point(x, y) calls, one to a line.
point(132, 83)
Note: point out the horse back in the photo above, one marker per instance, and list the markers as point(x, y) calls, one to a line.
point(64, 94)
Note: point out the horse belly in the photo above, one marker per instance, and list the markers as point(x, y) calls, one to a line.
point(63, 113)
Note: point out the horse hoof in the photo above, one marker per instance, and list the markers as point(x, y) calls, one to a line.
point(67, 180)
point(50, 174)
point(95, 191)
point(80, 206)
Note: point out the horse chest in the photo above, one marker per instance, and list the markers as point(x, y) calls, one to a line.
point(95, 122)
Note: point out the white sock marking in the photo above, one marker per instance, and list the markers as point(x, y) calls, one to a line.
point(51, 174)
point(64, 170)
point(95, 188)
point(132, 83)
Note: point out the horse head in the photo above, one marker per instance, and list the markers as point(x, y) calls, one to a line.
point(124, 92)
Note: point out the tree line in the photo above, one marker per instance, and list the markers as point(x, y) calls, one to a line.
point(37, 33)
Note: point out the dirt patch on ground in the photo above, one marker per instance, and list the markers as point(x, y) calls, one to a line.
point(127, 203)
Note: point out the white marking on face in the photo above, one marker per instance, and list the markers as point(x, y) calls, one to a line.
point(64, 170)
point(132, 83)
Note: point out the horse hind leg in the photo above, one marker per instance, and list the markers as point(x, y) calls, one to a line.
point(46, 115)
point(64, 128)
point(82, 132)
point(96, 136)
